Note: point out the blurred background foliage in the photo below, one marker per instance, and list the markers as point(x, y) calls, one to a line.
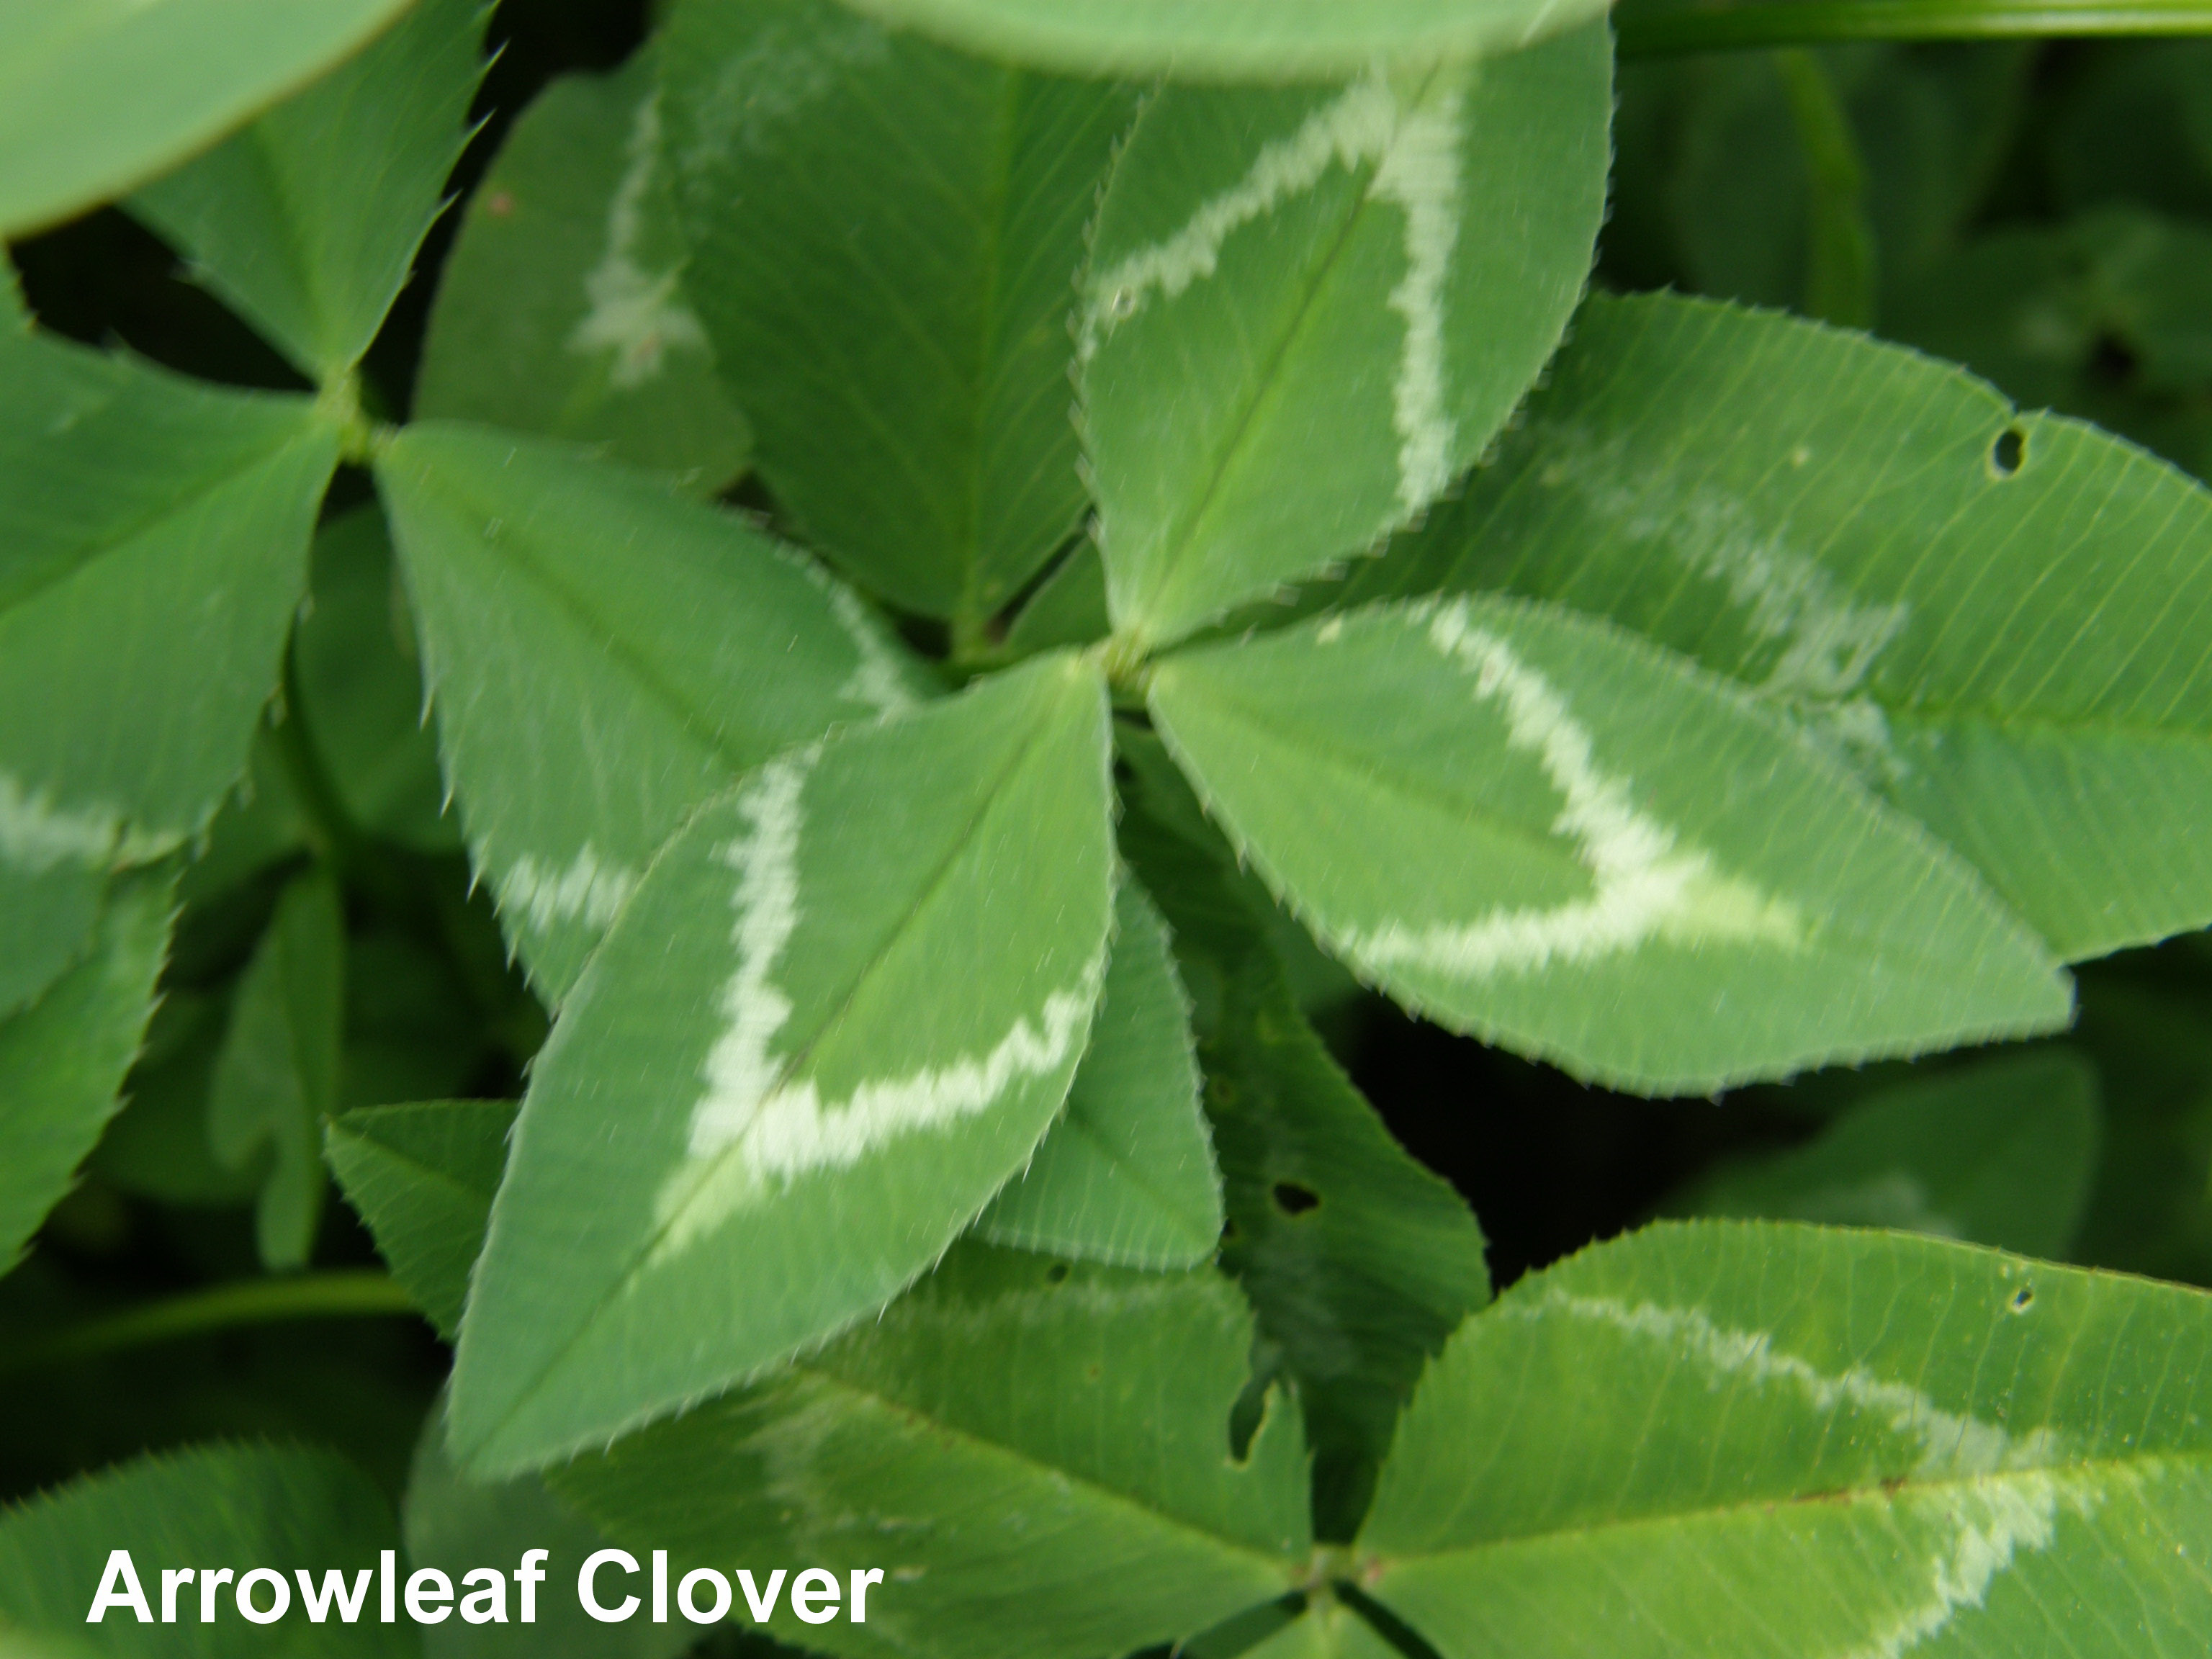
point(2041, 212)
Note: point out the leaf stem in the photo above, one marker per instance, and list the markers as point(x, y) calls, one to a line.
point(1660, 30)
point(351, 1293)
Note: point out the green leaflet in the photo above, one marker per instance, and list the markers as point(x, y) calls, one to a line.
point(276, 1078)
point(1997, 618)
point(1531, 827)
point(1329, 1629)
point(561, 307)
point(422, 1177)
point(455, 1525)
point(307, 220)
point(1733, 1440)
point(1358, 1261)
point(48, 916)
point(1340, 293)
point(157, 1146)
point(97, 97)
point(1036, 1455)
point(287, 1509)
point(1068, 607)
point(361, 689)
point(603, 656)
point(2002, 1152)
point(62, 1060)
point(808, 1117)
point(1232, 40)
point(152, 541)
point(1126, 1173)
point(888, 236)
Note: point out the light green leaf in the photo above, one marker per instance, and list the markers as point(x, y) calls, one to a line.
point(888, 236)
point(62, 1060)
point(1998, 618)
point(361, 689)
point(1036, 1457)
point(1531, 827)
point(1233, 39)
point(455, 1525)
point(808, 1117)
point(287, 1509)
point(1068, 607)
point(603, 656)
point(307, 220)
point(1359, 1261)
point(1126, 1173)
point(561, 307)
point(1733, 1440)
point(422, 1177)
point(2002, 1152)
point(276, 1078)
point(153, 548)
point(1329, 1629)
point(1340, 293)
point(96, 97)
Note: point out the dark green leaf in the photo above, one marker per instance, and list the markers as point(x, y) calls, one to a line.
point(888, 236)
point(1035, 1456)
point(561, 307)
point(2000, 1153)
point(423, 1176)
point(62, 1060)
point(276, 1078)
point(307, 220)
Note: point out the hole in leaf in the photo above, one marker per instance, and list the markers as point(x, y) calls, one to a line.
point(1293, 1198)
point(2010, 453)
point(1056, 1273)
point(2023, 1298)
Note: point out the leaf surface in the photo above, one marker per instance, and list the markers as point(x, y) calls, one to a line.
point(2003, 1153)
point(1738, 1439)
point(455, 1524)
point(153, 548)
point(1998, 618)
point(603, 656)
point(360, 688)
point(1233, 39)
point(888, 235)
point(422, 1177)
point(1358, 1261)
point(561, 308)
point(1532, 827)
point(307, 221)
point(1332, 1631)
point(808, 1117)
point(96, 97)
point(1125, 1175)
point(1340, 293)
point(63, 1059)
point(287, 1509)
point(275, 1078)
point(1074, 1495)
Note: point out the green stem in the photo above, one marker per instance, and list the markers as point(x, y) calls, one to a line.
point(1657, 31)
point(348, 1294)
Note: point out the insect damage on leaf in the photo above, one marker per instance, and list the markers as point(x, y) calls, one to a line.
point(1413, 144)
point(1648, 884)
